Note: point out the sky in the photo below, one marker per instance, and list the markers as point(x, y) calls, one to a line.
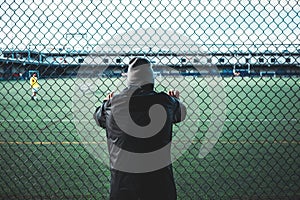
point(84, 24)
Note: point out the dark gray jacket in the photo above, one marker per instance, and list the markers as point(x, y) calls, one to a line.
point(140, 165)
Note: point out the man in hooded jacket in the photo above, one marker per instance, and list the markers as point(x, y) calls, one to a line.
point(138, 123)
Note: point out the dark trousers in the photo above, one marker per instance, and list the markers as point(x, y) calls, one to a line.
point(158, 185)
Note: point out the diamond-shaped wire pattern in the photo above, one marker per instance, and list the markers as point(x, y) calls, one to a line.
point(235, 63)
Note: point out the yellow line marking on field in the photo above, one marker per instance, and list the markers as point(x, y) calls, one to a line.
point(244, 141)
point(249, 141)
point(51, 143)
point(177, 141)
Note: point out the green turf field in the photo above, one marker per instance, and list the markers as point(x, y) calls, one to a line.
point(52, 148)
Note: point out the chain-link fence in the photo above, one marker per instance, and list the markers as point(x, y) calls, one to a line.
point(235, 63)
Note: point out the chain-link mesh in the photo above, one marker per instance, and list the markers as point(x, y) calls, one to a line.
point(236, 64)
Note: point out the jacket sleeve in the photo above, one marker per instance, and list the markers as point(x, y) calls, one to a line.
point(100, 115)
point(180, 111)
